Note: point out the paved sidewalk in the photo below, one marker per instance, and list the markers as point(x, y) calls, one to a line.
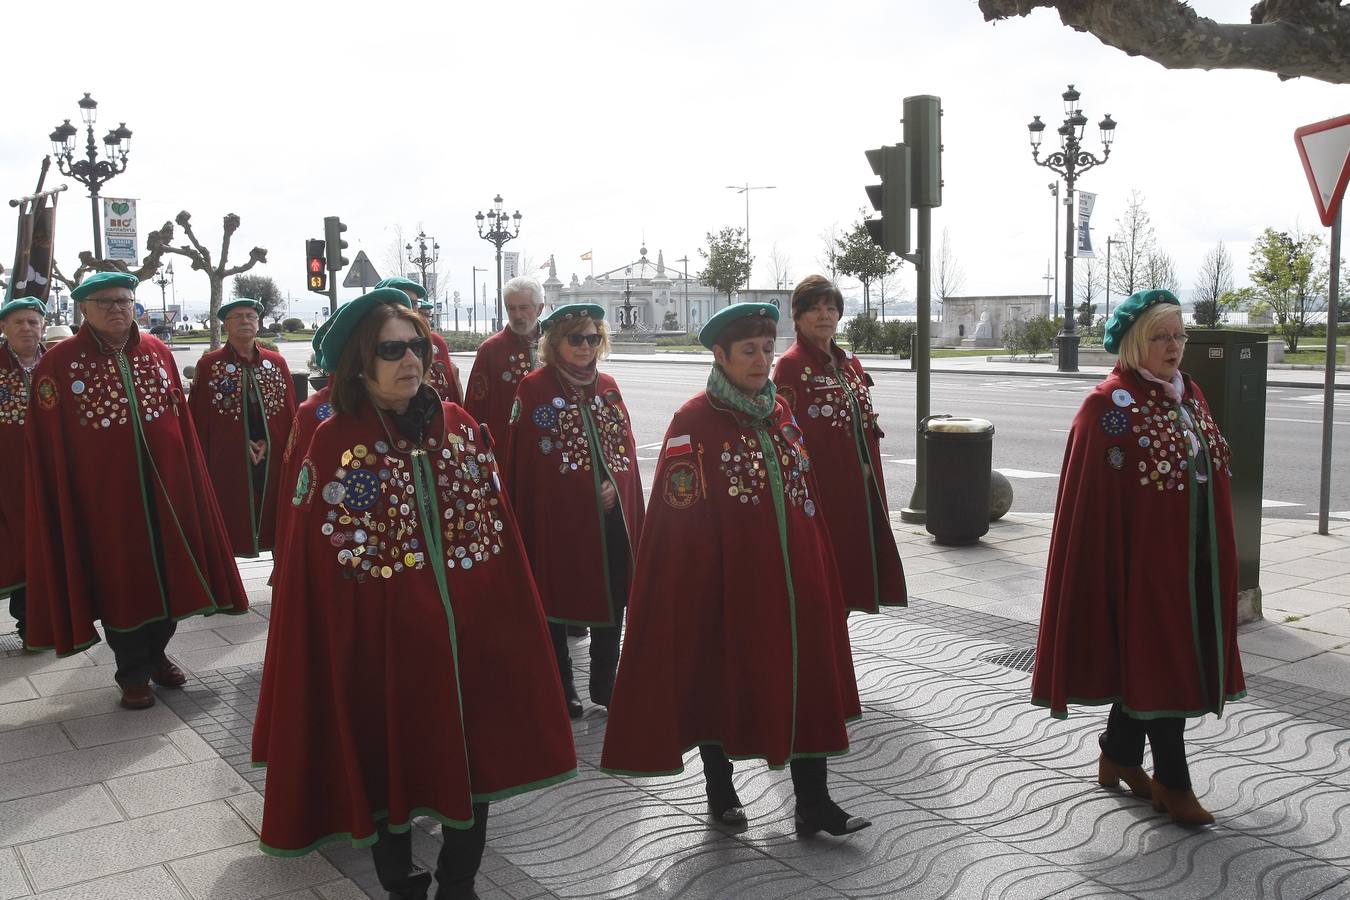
point(973, 791)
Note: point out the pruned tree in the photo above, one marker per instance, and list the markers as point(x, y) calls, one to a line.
point(201, 259)
point(261, 288)
point(951, 277)
point(780, 265)
point(1291, 38)
point(1289, 272)
point(728, 261)
point(1213, 286)
point(90, 263)
point(1134, 242)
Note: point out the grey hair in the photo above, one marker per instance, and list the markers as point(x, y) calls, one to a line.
point(524, 284)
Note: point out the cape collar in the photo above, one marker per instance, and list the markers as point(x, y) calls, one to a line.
point(252, 359)
point(382, 423)
point(837, 356)
point(94, 341)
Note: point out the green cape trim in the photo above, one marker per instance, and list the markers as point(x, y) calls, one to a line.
point(1131, 711)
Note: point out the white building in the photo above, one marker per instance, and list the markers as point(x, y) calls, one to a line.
point(649, 289)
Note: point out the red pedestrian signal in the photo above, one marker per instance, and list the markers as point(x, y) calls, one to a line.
point(314, 263)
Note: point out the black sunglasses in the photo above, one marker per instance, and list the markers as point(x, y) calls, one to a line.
point(576, 340)
point(393, 351)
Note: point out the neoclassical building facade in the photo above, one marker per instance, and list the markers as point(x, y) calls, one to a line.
point(651, 290)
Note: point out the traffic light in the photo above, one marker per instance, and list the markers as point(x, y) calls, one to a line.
point(314, 271)
point(923, 137)
point(890, 198)
point(332, 232)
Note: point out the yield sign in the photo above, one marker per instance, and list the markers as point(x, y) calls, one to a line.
point(362, 274)
point(1325, 150)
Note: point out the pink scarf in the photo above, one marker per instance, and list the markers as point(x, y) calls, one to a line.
point(1175, 389)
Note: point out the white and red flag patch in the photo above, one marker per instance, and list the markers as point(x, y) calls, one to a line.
point(678, 446)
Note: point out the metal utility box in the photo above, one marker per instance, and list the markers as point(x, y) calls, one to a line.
point(1230, 367)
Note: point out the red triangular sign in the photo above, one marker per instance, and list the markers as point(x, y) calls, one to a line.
point(1325, 150)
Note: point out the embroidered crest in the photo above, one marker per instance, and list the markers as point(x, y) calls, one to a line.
point(325, 411)
point(789, 395)
point(681, 488)
point(1114, 422)
point(478, 388)
point(515, 412)
point(1115, 458)
point(304, 484)
point(46, 392)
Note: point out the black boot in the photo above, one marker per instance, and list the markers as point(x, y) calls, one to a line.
point(723, 802)
point(394, 865)
point(815, 810)
point(461, 855)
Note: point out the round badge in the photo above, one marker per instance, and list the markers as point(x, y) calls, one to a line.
point(1114, 422)
point(813, 411)
point(345, 556)
point(545, 416)
point(506, 376)
point(267, 364)
point(1143, 442)
point(381, 447)
point(1121, 397)
point(359, 536)
point(360, 451)
point(1164, 466)
point(827, 410)
point(410, 559)
point(77, 387)
point(326, 529)
point(324, 411)
point(809, 507)
point(363, 489)
point(1115, 457)
point(559, 403)
point(230, 367)
point(334, 493)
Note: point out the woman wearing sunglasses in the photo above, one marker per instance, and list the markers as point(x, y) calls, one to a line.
point(572, 474)
point(1140, 603)
point(737, 642)
point(405, 586)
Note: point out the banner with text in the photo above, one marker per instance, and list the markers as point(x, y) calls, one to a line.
point(119, 231)
point(510, 266)
point(1085, 203)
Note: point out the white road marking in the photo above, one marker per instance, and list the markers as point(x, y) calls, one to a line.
point(1270, 504)
point(1024, 473)
point(1305, 421)
point(904, 462)
point(649, 446)
point(1343, 514)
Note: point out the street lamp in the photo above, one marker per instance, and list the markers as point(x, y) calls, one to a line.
point(497, 224)
point(626, 322)
point(425, 256)
point(1070, 162)
point(163, 278)
point(746, 189)
point(91, 171)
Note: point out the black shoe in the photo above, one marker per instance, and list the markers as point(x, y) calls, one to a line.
point(577, 631)
point(574, 708)
point(602, 691)
point(829, 818)
point(724, 804)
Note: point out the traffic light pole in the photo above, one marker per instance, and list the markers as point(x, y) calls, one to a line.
point(917, 510)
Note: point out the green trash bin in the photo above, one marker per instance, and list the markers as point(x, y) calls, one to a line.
point(960, 458)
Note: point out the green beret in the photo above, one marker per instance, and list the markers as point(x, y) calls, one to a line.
point(574, 310)
point(707, 336)
point(342, 323)
point(317, 342)
point(403, 284)
point(1127, 313)
point(101, 281)
point(425, 304)
point(227, 308)
point(12, 305)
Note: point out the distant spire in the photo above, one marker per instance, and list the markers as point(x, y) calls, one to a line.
point(660, 262)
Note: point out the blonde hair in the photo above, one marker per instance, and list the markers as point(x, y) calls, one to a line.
point(1134, 346)
point(554, 334)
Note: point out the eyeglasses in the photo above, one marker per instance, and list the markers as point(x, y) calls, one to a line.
point(393, 351)
point(107, 303)
point(576, 340)
point(242, 317)
point(1162, 340)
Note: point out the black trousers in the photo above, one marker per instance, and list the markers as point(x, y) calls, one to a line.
point(138, 652)
point(809, 776)
point(1123, 744)
point(456, 865)
point(18, 610)
point(604, 639)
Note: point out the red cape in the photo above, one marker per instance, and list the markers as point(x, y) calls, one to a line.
point(553, 474)
point(13, 409)
point(1120, 618)
point(409, 670)
point(441, 372)
point(831, 397)
point(732, 640)
point(502, 361)
point(89, 549)
point(308, 415)
point(225, 387)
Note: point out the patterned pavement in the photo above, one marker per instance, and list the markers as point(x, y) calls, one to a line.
point(973, 792)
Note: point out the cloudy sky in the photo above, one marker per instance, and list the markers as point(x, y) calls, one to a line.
point(609, 123)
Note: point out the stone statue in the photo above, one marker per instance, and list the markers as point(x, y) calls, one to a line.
point(985, 329)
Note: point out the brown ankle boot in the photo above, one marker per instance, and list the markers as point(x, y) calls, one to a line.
point(1182, 805)
point(1109, 774)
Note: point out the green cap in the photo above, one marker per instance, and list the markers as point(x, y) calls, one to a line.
point(1127, 313)
point(317, 342)
point(342, 323)
point(10, 306)
point(101, 281)
point(425, 304)
point(707, 336)
point(572, 311)
point(227, 308)
point(403, 284)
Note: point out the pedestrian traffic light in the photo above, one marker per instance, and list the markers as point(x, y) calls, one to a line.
point(332, 232)
point(890, 198)
point(317, 278)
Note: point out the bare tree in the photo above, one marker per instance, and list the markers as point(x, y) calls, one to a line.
point(216, 272)
point(1089, 278)
point(828, 260)
point(780, 265)
point(396, 252)
point(1160, 273)
point(1213, 283)
point(1135, 241)
point(890, 288)
point(951, 277)
point(1291, 38)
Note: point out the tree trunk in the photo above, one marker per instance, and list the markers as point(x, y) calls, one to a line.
point(217, 293)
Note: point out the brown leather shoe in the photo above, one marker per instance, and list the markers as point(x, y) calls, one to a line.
point(1109, 774)
point(1182, 805)
point(138, 697)
point(166, 674)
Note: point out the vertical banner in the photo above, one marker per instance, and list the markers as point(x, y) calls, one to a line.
point(32, 274)
point(510, 266)
point(1085, 203)
point(119, 231)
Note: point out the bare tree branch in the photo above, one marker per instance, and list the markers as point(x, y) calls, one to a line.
point(1291, 38)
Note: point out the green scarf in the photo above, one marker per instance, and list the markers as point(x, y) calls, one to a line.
point(757, 406)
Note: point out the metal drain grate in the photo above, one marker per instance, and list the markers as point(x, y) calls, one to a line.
point(10, 642)
point(1022, 660)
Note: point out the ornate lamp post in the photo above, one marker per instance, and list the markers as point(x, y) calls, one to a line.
point(626, 322)
point(1070, 162)
point(498, 233)
point(422, 256)
point(91, 171)
point(163, 278)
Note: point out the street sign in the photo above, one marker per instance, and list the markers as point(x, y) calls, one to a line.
point(361, 274)
point(1325, 150)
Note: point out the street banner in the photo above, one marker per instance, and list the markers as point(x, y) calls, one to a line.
point(1084, 243)
point(510, 265)
point(119, 231)
point(32, 273)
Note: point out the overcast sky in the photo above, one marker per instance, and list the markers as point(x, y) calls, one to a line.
point(610, 123)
